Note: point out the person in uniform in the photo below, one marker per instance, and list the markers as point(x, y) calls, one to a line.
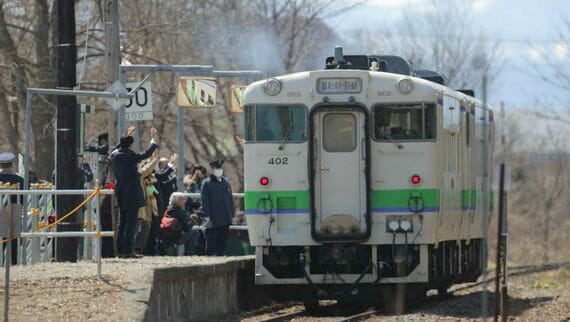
point(8, 175)
point(128, 189)
point(218, 206)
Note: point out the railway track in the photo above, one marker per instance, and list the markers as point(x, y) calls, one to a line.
point(331, 313)
point(337, 313)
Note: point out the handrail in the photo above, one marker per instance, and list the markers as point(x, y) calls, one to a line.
point(197, 195)
point(55, 192)
point(39, 232)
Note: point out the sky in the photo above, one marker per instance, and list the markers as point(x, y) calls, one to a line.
point(523, 27)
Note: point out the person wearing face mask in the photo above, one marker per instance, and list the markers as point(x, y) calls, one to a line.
point(218, 206)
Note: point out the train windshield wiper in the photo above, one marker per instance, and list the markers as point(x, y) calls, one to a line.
point(287, 135)
point(391, 139)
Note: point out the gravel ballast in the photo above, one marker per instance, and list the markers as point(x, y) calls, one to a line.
point(543, 296)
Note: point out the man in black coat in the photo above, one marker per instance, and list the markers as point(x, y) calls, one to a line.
point(129, 190)
point(8, 175)
point(218, 205)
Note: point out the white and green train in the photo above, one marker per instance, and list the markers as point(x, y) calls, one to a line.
point(362, 177)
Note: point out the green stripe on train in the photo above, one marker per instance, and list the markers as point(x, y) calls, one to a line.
point(399, 198)
point(380, 198)
point(468, 198)
point(295, 199)
point(388, 198)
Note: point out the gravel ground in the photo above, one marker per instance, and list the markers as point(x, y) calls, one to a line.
point(72, 292)
point(541, 296)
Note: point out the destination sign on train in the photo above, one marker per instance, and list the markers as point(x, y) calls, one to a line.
point(339, 85)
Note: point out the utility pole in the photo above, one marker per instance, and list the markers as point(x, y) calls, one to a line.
point(112, 59)
point(113, 64)
point(67, 171)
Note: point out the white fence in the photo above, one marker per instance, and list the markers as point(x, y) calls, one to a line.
point(36, 242)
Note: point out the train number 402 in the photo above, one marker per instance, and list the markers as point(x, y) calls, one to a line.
point(278, 161)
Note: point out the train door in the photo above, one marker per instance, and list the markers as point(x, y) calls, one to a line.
point(340, 180)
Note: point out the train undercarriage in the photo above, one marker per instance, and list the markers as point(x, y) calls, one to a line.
point(366, 273)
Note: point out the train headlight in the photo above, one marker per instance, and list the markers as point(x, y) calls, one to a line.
point(405, 86)
point(272, 87)
point(405, 225)
point(393, 225)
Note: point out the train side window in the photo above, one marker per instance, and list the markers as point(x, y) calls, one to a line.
point(274, 123)
point(404, 122)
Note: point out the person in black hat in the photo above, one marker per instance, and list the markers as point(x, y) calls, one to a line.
point(129, 190)
point(218, 205)
point(8, 175)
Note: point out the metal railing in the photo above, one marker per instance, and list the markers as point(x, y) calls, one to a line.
point(236, 195)
point(36, 243)
point(36, 240)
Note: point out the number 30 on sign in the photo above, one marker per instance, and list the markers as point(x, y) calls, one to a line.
point(139, 107)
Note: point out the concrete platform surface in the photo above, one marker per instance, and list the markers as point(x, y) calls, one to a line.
point(72, 292)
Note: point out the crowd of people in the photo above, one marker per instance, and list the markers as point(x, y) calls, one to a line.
point(155, 219)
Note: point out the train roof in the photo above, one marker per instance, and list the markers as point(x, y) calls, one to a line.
point(302, 85)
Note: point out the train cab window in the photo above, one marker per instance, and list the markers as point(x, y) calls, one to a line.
point(404, 122)
point(273, 123)
point(339, 132)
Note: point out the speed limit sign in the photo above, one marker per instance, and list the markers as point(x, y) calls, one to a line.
point(139, 107)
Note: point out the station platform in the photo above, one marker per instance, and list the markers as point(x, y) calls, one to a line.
point(145, 289)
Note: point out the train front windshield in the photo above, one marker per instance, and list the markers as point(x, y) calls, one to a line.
point(275, 123)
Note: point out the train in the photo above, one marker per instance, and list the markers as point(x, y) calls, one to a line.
point(366, 180)
point(196, 92)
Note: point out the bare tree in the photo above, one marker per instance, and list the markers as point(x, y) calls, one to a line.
point(554, 71)
point(443, 40)
point(27, 60)
point(276, 36)
point(297, 26)
point(557, 72)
